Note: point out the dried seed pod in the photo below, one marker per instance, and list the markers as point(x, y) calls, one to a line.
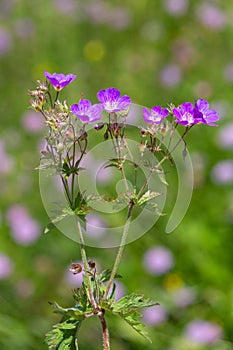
point(75, 268)
point(91, 264)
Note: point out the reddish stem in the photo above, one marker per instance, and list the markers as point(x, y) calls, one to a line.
point(106, 341)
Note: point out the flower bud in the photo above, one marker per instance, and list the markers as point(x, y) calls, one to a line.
point(99, 126)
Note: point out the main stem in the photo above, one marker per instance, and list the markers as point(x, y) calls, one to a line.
point(85, 264)
point(106, 342)
point(120, 250)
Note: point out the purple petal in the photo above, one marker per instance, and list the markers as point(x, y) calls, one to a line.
point(146, 115)
point(111, 100)
point(124, 102)
point(202, 105)
point(110, 94)
point(177, 113)
point(59, 80)
point(96, 112)
point(203, 114)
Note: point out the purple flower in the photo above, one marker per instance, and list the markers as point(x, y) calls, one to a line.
point(155, 315)
point(95, 226)
point(225, 136)
point(183, 297)
point(111, 100)
point(176, 7)
point(24, 229)
point(222, 172)
point(5, 41)
point(211, 16)
point(185, 114)
point(170, 75)
point(156, 115)
point(59, 81)
point(33, 122)
point(87, 112)
point(203, 114)
point(203, 332)
point(158, 260)
point(188, 115)
point(6, 266)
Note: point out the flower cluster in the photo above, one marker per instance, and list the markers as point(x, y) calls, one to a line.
point(188, 115)
point(112, 102)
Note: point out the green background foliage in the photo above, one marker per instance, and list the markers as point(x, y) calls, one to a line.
point(129, 53)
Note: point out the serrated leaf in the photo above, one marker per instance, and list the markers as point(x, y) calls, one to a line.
point(148, 196)
point(127, 308)
point(134, 321)
point(131, 302)
point(63, 335)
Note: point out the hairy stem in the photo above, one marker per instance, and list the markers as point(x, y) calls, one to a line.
point(106, 342)
point(120, 250)
point(85, 264)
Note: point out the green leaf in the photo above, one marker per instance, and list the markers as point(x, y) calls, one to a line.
point(148, 196)
point(66, 170)
point(127, 308)
point(131, 302)
point(134, 321)
point(104, 276)
point(78, 312)
point(63, 336)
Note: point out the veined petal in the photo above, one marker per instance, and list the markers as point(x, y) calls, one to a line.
point(111, 100)
point(59, 80)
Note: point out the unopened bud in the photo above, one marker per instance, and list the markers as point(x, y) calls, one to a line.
point(99, 126)
point(83, 136)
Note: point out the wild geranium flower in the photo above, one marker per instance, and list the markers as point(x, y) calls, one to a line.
point(87, 112)
point(156, 115)
point(203, 114)
point(111, 100)
point(202, 332)
point(59, 80)
point(185, 114)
